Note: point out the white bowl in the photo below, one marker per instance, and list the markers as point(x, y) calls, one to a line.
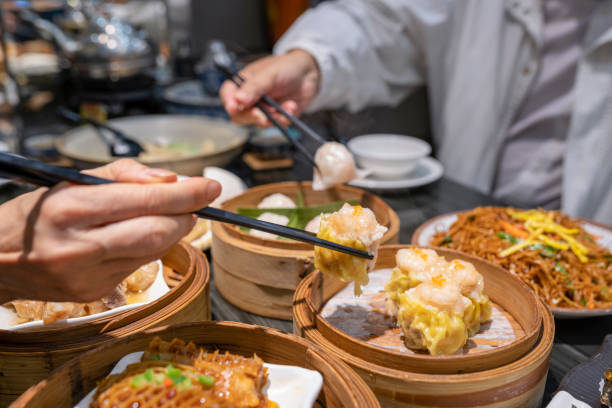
point(388, 155)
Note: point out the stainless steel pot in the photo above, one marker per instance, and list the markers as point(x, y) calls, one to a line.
point(85, 149)
point(108, 48)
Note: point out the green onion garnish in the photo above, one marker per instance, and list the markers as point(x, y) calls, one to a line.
point(206, 380)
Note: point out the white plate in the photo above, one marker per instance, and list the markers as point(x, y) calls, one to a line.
point(157, 289)
point(427, 171)
point(288, 386)
point(564, 399)
point(425, 233)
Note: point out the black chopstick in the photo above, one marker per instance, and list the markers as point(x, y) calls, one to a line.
point(302, 127)
point(39, 173)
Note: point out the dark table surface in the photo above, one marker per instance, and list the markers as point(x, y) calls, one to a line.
point(575, 340)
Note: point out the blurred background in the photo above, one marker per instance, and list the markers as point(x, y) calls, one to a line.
point(123, 58)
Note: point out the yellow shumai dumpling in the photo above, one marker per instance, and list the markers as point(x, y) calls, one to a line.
point(471, 285)
point(355, 227)
point(431, 317)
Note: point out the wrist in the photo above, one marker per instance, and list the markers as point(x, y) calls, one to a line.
point(306, 61)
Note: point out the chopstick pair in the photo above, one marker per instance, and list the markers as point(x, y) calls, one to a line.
point(44, 174)
point(237, 79)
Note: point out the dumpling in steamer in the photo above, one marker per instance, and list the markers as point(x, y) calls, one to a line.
point(142, 278)
point(431, 317)
point(276, 200)
point(269, 217)
point(355, 227)
point(336, 166)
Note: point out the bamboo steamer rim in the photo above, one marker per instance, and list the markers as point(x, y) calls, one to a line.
point(392, 225)
point(538, 354)
point(306, 314)
point(355, 385)
point(195, 280)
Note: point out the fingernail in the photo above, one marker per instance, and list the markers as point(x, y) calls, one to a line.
point(213, 189)
point(244, 97)
point(160, 174)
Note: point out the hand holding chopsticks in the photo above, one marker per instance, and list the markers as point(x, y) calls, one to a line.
point(39, 173)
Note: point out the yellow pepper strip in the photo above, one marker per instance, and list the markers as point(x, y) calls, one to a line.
point(537, 223)
point(516, 247)
point(555, 244)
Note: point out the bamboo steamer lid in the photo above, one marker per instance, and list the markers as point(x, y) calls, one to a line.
point(509, 376)
point(28, 357)
point(68, 384)
point(260, 275)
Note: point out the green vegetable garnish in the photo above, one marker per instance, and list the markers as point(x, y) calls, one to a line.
point(138, 381)
point(561, 269)
point(206, 380)
point(298, 217)
point(583, 301)
point(547, 253)
point(184, 386)
point(447, 240)
point(148, 375)
point(605, 291)
point(156, 357)
point(507, 237)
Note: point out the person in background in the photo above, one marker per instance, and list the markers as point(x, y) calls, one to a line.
point(520, 90)
point(76, 243)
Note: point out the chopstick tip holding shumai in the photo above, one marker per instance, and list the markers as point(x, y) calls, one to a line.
point(355, 227)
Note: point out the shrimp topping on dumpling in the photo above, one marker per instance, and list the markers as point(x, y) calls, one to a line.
point(355, 227)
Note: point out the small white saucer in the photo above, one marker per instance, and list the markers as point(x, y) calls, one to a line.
point(427, 171)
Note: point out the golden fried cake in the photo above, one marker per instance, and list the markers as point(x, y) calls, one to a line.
point(175, 374)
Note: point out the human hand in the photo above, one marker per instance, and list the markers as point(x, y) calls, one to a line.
point(292, 79)
point(76, 243)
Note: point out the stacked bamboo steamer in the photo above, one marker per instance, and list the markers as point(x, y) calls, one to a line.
point(28, 357)
point(342, 388)
point(513, 375)
point(260, 275)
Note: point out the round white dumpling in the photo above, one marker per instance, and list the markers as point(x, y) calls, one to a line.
point(274, 219)
point(313, 225)
point(276, 200)
point(336, 166)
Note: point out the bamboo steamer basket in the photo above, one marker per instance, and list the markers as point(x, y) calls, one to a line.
point(28, 357)
point(509, 376)
point(68, 384)
point(260, 275)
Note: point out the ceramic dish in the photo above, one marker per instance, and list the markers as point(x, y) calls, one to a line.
point(424, 234)
point(388, 156)
point(289, 386)
point(427, 171)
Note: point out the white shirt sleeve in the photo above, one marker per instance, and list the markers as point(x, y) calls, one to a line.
point(369, 51)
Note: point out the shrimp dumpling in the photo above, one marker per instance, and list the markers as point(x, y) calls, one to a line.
point(471, 285)
point(276, 200)
point(414, 265)
point(431, 317)
point(336, 166)
point(355, 227)
point(273, 218)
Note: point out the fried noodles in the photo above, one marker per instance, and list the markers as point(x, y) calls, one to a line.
point(548, 250)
